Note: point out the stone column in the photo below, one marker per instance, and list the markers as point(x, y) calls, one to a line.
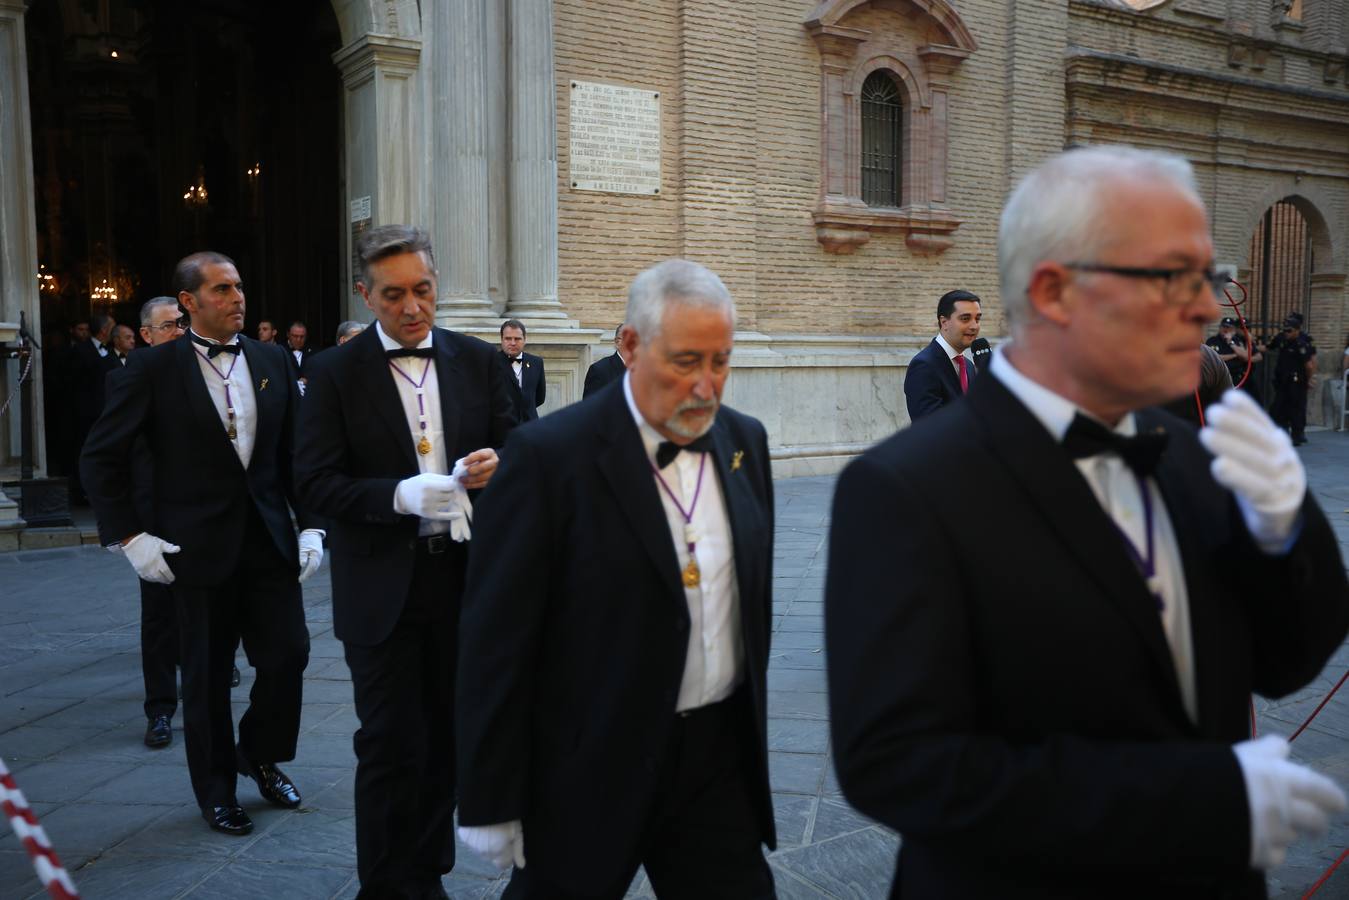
point(18, 235)
point(458, 163)
point(533, 167)
point(384, 144)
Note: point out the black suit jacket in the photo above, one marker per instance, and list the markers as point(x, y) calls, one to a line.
point(89, 373)
point(527, 394)
point(578, 627)
point(601, 372)
point(1001, 689)
point(353, 448)
point(201, 492)
point(932, 382)
point(301, 368)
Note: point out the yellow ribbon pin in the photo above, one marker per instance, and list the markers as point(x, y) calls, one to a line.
point(263, 386)
point(735, 459)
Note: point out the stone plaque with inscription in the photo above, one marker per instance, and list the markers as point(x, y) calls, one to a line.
point(615, 139)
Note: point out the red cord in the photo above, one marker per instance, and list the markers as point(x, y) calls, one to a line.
point(1326, 877)
point(1235, 306)
point(1303, 726)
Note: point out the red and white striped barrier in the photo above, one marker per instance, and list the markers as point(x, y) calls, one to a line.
point(49, 869)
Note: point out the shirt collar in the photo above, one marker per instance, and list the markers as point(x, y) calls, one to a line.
point(951, 351)
point(1054, 412)
point(233, 340)
point(390, 344)
point(651, 438)
point(97, 343)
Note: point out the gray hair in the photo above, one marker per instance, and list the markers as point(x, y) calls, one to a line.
point(149, 306)
point(675, 281)
point(347, 327)
point(1059, 211)
point(390, 240)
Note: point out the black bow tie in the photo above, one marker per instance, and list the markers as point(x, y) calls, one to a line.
point(668, 450)
point(517, 359)
point(214, 350)
point(1141, 453)
point(423, 352)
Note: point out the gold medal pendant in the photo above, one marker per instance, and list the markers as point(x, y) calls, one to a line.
point(692, 576)
point(232, 433)
point(424, 446)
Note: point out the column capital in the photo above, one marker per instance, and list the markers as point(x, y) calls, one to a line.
point(393, 55)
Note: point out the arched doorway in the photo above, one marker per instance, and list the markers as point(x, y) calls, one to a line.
point(162, 127)
point(1281, 262)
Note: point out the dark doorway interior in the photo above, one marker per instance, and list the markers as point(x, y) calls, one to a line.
point(136, 106)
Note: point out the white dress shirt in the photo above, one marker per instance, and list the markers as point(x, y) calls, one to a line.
point(1116, 489)
point(951, 354)
point(436, 461)
point(715, 661)
point(215, 372)
point(518, 367)
point(99, 347)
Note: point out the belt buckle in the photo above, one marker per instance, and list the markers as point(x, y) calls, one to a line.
point(437, 544)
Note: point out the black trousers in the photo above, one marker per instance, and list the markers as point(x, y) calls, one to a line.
point(702, 839)
point(159, 649)
point(1290, 408)
point(260, 604)
point(404, 691)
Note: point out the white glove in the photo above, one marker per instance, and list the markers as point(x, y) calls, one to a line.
point(1286, 799)
point(427, 495)
point(1255, 460)
point(311, 552)
point(146, 554)
point(461, 508)
point(501, 845)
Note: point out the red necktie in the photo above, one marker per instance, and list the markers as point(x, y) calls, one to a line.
point(964, 375)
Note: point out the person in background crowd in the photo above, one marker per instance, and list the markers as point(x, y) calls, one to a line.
point(348, 330)
point(606, 369)
point(941, 372)
point(123, 342)
point(529, 386)
point(1294, 374)
point(267, 332)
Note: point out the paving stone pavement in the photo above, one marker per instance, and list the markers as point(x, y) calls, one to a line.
point(122, 819)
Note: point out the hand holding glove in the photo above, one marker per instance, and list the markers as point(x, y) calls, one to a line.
point(1255, 460)
point(146, 555)
point(311, 552)
point(501, 845)
point(461, 508)
point(427, 495)
point(1286, 800)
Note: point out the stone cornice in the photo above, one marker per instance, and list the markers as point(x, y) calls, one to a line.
point(392, 55)
point(1213, 34)
point(1116, 72)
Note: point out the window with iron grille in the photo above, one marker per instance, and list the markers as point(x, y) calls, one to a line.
point(882, 140)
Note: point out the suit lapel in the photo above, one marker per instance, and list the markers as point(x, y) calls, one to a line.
point(447, 368)
point(742, 507)
point(199, 400)
point(259, 369)
point(1053, 484)
point(625, 466)
point(946, 368)
point(384, 395)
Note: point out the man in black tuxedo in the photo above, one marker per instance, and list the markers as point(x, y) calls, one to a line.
point(612, 688)
point(90, 362)
point(942, 371)
point(216, 414)
point(610, 368)
point(398, 423)
point(1052, 701)
point(161, 322)
point(527, 382)
point(123, 342)
point(298, 351)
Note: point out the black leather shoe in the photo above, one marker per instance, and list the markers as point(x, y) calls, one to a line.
point(228, 820)
point(234, 676)
point(158, 732)
point(276, 788)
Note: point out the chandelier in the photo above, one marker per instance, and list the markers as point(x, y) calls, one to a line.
point(194, 198)
point(104, 293)
point(46, 282)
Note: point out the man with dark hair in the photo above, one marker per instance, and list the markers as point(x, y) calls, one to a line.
point(606, 369)
point(941, 372)
point(601, 729)
point(298, 350)
point(527, 381)
point(396, 427)
point(267, 331)
point(90, 362)
point(216, 414)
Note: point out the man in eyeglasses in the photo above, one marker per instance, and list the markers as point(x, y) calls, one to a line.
point(1052, 700)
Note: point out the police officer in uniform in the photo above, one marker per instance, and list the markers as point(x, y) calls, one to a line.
point(1293, 372)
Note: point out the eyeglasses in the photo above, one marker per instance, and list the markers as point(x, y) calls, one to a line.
point(166, 327)
point(1182, 285)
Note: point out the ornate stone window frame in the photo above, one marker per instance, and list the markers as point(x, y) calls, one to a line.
point(843, 222)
